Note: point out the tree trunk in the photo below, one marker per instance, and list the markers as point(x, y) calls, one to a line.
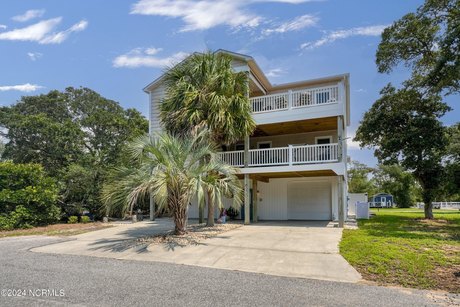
point(427, 197)
point(429, 210)
point(200, 214)
point(210, 221)
point(180, 220)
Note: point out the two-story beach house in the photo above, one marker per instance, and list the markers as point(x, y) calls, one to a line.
point(294, 164)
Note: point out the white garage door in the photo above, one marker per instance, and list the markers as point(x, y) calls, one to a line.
point(309, 201)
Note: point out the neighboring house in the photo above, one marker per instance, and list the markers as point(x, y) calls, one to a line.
point(296, 158)
point(383, 200)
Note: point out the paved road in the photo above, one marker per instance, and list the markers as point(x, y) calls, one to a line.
point(109, 282)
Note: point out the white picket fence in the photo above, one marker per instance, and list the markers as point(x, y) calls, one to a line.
point(453, 205)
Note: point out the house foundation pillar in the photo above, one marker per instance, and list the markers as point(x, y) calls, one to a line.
point(341, 201)
point(254, 201)
point(247, 200)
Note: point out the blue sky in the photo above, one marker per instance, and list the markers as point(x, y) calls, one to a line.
point(117, 47)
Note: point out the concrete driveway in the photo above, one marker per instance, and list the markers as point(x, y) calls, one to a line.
point(292, 249)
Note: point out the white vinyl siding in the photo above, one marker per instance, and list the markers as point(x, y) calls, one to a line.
point(284, 140)
point(155, 99)
point(275, 199)
point(309, 201)
point(272, 203)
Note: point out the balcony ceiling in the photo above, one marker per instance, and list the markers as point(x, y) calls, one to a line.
point(300, 126)
point(265, 177)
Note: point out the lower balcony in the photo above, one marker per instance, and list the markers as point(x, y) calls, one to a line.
point(278, 156)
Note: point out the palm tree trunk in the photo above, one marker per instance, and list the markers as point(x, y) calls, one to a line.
point(179, 212)
point(200, 214)
point(180, 221)
point(210, 221)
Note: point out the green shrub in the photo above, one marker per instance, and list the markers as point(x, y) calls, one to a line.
point(73, 219)
point(6, 223)
point(27, 196)
point(85, 219)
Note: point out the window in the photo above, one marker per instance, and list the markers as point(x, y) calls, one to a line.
point(239, 146)
point(264, 145)
point(323, 140)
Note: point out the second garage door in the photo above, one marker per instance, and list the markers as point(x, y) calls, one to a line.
point(309, 201)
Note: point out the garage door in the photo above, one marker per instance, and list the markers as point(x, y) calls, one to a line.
point(309, 201)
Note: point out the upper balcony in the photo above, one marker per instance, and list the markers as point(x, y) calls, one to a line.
point(298, 104)
point(279, 156)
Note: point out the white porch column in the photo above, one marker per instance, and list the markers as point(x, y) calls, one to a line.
point(254, 200)
point(247, 200)
point(341, 201)
point(246, 151)
point(340, 138)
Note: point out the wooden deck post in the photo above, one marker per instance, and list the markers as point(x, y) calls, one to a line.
point(254, 200)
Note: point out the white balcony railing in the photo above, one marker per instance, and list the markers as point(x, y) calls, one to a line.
point(295, 99)
point(235, 158)
point(291, 155)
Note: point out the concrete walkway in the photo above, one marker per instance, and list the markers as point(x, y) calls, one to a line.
point(291, 249)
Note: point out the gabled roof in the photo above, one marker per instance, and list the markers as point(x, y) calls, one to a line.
point(246, 58)
point(258, 74)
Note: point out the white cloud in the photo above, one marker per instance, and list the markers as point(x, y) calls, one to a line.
point(361, 90)
point(27, 87)
point(205, 14)
point(41, 32)
point(276, 72)
point(34, 55)
point(152, 50)
point(35, 32)
point(29, 15)
point(286, 1)
point(59, 37)
point(295, 24)
point(352, 144)
point(145, 57)
point(3, 27)
point(342, 34)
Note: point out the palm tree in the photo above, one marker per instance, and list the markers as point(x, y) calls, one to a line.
point(205, 91)
point(170, 170)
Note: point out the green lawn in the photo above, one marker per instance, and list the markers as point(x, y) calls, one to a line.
point(55, 230)
point(399, 247)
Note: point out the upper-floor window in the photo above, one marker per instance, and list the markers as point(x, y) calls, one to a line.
point(239, 146)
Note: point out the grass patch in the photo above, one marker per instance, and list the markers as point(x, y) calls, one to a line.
point(55, 230)
point(400, 247)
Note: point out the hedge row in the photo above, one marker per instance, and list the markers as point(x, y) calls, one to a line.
point(27, 196)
